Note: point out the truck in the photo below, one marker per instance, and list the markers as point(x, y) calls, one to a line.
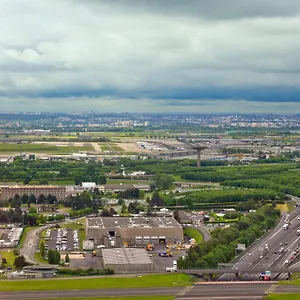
point(171, 269)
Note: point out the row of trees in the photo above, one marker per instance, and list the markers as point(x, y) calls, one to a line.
point(18, 200)
point(222, 196)
point(221, 248)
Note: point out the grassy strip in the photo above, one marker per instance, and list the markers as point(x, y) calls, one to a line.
point(164, 280)
point(121, 298)
point(290, 282)
point(193, 233)
point(283, 297)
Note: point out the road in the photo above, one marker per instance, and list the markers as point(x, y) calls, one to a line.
point(231, 290)
point(256, 255)
point(31, 243)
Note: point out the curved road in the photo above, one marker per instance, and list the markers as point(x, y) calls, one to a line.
point(31, 243)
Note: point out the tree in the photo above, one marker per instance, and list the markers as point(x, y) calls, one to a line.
point(41, 198)
point(20, 262)
point(42, 249)
point(16, 201)
point(25, 198)
point(63, 172)
point(123, 208)
point(32, 199)
point(53, 257)
point(102, 179)
point(27, 180)
point(133, 207)
point(156, 199)
point(105, 213)
point(163, 181)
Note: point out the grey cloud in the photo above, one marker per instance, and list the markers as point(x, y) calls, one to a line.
point(135, 49)
point(211, 9)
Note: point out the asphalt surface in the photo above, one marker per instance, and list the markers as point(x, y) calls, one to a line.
point(31, 243)
point(256, 255)
point(88, 293)
point(228, 290)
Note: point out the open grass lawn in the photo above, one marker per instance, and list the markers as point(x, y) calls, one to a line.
point(291, 282)
point(117, 149)
point(283, 297)
point(121, 298)
point(8, 148)
point(10, 258)
point(193, 233)
point(165, 280)
point(105, 147)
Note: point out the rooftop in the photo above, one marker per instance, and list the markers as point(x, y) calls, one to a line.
point(32, 186)
point(125, 256)
point(132, 222)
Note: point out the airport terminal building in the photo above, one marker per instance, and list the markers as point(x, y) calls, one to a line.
point(133, 231)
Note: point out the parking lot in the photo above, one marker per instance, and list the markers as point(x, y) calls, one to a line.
point(9, 237)
point(62, 239)
point(160, 262)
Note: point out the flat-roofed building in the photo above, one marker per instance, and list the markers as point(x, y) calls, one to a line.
point(10, 191)
point(133, 230)
point(127, 260)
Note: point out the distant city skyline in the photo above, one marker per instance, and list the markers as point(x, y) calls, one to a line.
point(222, 56)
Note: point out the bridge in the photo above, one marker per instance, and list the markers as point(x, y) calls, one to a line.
point(242, 270)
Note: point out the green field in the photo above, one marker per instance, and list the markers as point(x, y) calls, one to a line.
point(121, 298)
point(283, 297)
point(193, 233)
point(10, 258)
point(35, 148)
point(165, 280)
point(117, 149)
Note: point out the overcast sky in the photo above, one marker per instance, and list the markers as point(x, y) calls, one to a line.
point(150, 55)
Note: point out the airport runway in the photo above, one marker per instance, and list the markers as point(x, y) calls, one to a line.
point(222, 290)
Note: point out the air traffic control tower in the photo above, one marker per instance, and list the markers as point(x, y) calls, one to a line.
point(199, 148)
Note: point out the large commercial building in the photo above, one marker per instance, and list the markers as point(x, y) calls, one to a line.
point(133, 230)
point(10, 191)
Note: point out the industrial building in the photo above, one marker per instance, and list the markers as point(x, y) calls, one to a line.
point(10, 191)
point(127, 260)
point(133, 231)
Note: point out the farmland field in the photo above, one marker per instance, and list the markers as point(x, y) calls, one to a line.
point(42, 148)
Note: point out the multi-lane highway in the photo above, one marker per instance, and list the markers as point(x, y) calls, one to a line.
point(278, 248)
